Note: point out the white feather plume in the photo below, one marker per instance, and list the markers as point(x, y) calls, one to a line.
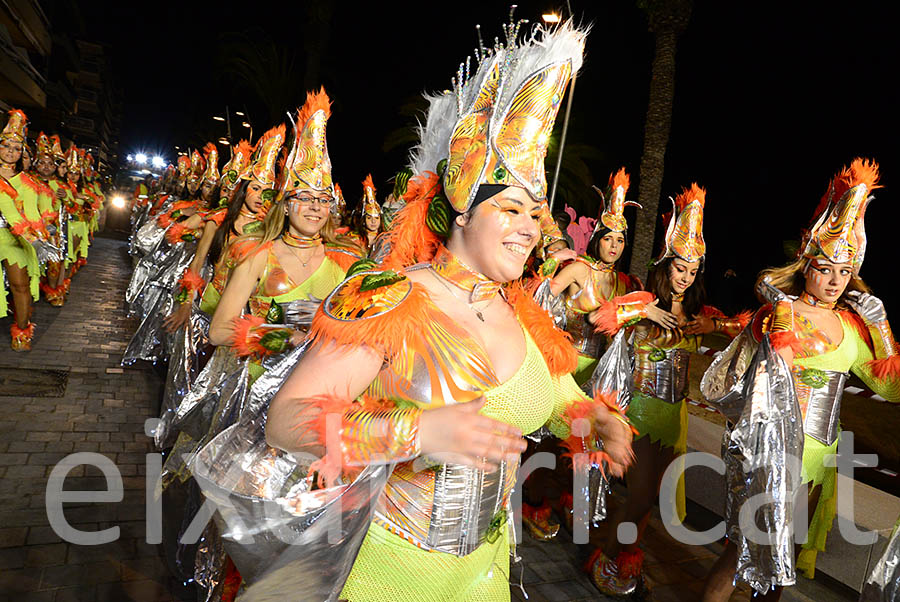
point(544, 47)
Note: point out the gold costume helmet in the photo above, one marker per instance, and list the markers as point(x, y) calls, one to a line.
point(838, 233)
point(684, 226)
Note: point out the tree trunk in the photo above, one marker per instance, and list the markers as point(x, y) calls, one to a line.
point(667, 29)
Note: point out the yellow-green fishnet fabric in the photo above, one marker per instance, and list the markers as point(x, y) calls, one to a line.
point(666, 423)
point(816, 473)
point(17, 251)
point(390, 569)
point(585, 369)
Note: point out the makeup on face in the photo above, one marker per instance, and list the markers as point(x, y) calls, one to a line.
point(827, 281)
point(308, 211)
point(500, 233)
point(682, 274)
point(611, 246)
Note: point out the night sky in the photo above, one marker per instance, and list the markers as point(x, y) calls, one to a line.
point(771, 98)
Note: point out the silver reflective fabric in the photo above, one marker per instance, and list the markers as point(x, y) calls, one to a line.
point(466, 501)
point(148, 236)
point(3, 222)
point(146, 269)
point(721, 384)
point(666, 379)
point(188, 352)
point(552, 304)
point(615, 371)
point(823, 409)
point(287, 542)
point(763, 451)
point(883, 584)
point(151, 342)
point(47, 252)
point(209, 564)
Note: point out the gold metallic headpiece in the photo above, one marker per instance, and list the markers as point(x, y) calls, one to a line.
point(684, 231)
point(613, 203)
point(16, 127)
point(264, 162)
point(838, 233)
point(308, 166)
point(370, 203)
point(211, 153)
point(500, 119)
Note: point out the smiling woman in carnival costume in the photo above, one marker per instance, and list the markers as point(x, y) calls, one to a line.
point(442, 356)
point(823, 321)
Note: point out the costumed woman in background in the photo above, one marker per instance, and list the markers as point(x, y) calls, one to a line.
point(593, 278)
point(293, 261)
point(824, 323)
point(78, 227)
point(20, 230)
point(55, 286)
point(574, 292)
point(368, 225)
point(184, 223)
point(442, 354)
point(669, 321)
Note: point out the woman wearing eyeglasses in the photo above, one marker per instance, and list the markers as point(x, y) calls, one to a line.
point(298, 260)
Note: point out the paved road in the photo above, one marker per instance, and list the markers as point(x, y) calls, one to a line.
point(103, 409)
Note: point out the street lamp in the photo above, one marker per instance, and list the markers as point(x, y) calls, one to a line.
point(550, 18)
point(217, 118)
point(158, 162)
point(140, 158)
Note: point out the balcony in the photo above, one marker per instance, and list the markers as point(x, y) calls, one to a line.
point(27, 25)
point(20, 83)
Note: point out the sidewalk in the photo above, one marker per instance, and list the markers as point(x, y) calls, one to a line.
point(89, 404)
point(101, 410)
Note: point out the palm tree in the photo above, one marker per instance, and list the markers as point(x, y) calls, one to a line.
point(667, 20)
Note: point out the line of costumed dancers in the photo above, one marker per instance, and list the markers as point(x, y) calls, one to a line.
point(50, 203)
point(355, 400)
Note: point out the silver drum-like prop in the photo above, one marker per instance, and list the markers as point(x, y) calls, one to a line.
point(287, 542)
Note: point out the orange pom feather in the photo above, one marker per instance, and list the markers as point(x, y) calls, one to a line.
point(315, 101)
point(555, 345)
point(243, 343)
point(410, 240)
point(605, 317)
point(620, 178)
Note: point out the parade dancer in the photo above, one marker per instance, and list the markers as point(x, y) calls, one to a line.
point(441, 355)
point(668, 323)
point(369, 224)
point(21, 229)
point(824, 322)
point(53, 215)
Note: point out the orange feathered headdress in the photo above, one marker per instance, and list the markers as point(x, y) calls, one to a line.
point(197, 167)
point(613, 203)
point(237, 165)
point(308, 166)
point(211, 154)
point(370, 203)
point(16, 127)
point(264, 164)
point(684, 226)
point(838, 233)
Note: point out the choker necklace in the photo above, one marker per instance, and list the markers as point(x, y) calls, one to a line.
point(677, 297)
point(480, 288)
point(301, 242)
point(815, 301)
point(247, 213)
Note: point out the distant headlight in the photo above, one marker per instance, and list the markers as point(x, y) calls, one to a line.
point(118, 201)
